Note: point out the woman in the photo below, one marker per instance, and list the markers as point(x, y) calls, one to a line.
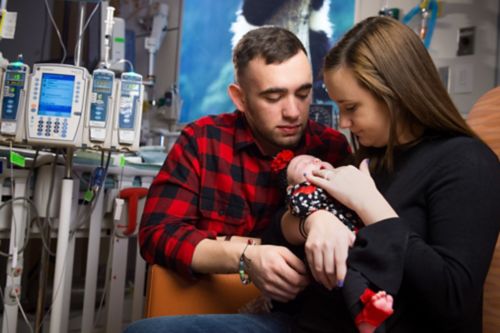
point(427, 189)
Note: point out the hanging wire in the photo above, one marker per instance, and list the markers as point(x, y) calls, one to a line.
point(57, 32)
point(85, 27)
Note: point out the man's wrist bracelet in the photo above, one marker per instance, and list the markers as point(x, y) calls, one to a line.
point(242, 268)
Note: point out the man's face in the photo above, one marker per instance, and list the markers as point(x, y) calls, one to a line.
point(276, 99)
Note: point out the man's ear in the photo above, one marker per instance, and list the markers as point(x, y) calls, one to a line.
point(237, 96)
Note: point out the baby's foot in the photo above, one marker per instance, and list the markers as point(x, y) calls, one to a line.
point(382, 301)
point(377, 308)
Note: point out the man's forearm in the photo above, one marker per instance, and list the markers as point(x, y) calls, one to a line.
point(219, 256)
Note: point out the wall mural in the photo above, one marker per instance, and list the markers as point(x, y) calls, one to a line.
point(211, 28)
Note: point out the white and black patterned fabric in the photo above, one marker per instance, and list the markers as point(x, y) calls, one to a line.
point(304, 199)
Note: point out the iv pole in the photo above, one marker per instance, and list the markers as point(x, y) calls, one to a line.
point(57, 320)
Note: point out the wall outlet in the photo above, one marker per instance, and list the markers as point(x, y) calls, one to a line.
point(466, 39)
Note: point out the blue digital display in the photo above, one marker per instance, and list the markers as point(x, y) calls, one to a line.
point(103, 84)
point(56, 95)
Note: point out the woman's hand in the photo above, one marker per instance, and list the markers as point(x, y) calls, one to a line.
point(327, 244)
point(356, 189)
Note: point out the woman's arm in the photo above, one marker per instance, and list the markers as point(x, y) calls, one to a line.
point(447, 265)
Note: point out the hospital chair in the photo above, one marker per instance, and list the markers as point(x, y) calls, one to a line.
point(484, 118)
point(169, 294)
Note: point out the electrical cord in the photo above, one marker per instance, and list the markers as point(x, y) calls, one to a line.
point(65, 53)
point(54, 296)
point(30, 172)
point(94, 200)
point(124, 61)
point(26, 238)
point(107, 281)
point(23, 314)
point(41, 227)
point(86, 25)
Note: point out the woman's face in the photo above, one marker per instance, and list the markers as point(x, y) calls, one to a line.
point(360, 112)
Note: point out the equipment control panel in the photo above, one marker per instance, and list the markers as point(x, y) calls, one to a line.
point(13, 101)
point(57, 100)
point(128, 112)
point(98, 124)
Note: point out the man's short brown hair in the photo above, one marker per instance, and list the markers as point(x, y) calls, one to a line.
point(273, 44)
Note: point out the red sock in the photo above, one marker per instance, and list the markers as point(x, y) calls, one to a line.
point(371, 314)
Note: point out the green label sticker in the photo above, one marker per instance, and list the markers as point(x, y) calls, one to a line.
point(122, 161)
point(17, 159)
point(88, 195)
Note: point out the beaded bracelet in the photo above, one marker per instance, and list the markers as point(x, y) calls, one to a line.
point(244, 277)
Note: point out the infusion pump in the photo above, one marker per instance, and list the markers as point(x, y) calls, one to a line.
point(128, 112)
point(56, 105)
point(99, 114)
point(13, 102)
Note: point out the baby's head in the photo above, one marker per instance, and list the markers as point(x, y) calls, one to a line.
point(303, 164)
point(292, 168)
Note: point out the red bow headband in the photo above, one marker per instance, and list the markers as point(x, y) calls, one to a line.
point(281, 160)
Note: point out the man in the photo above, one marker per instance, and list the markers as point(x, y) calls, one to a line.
point(217, 182)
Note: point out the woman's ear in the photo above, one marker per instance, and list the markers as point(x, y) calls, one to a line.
point(237, 96)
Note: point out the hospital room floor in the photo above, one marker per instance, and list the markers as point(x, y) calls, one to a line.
point(75, 321)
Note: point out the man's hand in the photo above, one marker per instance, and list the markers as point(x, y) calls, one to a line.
point(276, 271)
point(326, 247)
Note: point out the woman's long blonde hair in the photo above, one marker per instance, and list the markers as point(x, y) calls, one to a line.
point(388, 59)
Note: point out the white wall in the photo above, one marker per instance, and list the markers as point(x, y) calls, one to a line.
point(477, 71)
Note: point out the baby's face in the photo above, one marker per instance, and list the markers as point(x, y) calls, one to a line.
point(304, 164)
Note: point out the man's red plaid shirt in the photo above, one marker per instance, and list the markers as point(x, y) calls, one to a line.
point(215, 181)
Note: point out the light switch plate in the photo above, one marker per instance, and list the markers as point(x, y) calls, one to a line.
point(462, 78)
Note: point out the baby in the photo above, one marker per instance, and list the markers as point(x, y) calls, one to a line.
point(304, 198)
point(369, 308)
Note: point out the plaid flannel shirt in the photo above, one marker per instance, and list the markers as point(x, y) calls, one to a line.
point(216, 181)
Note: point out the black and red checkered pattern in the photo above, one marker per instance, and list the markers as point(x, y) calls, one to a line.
point(215, 181)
